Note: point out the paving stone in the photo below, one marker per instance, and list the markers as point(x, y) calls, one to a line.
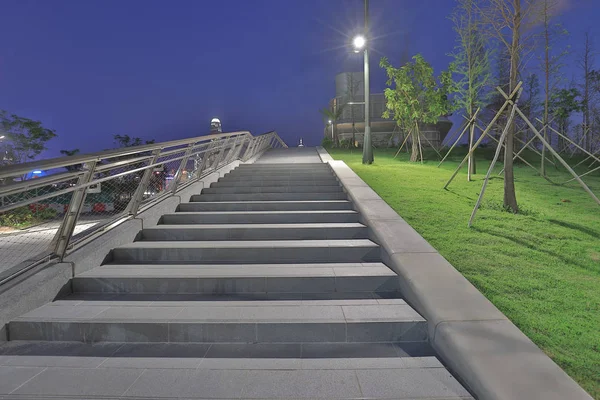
point(13, 377)
point(80, 382)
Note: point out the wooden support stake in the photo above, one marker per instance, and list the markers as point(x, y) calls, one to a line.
point(506, 103)
point(495, 159)
point(405, 139)
point(454, 144)
point(560, 159)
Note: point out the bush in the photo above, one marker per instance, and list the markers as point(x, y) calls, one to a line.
point(26, 216)
point(327, 143)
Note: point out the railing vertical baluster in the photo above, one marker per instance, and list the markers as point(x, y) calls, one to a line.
point(138, 196)
point(182, 166)
point(221, 154)
point(67, 227)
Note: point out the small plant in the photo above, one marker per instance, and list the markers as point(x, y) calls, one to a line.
point(327, 143)
point(24, 217)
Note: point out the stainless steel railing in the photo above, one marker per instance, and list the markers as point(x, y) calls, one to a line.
point(75, 198)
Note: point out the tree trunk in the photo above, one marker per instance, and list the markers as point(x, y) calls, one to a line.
point(510, 197)
point(586, 93)
point(414, 155)
point(547, 94)
point(353, 136)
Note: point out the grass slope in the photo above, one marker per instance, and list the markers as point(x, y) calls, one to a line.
point(541, 267)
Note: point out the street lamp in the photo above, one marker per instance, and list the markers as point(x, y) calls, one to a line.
point(331, 123)
point(360, 43)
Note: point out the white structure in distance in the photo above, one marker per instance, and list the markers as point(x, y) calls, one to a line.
point(215, 126)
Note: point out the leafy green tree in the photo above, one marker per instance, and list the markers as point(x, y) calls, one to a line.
point(24, 138)
point(563, 103)
point(416, 96)
point(471, 65)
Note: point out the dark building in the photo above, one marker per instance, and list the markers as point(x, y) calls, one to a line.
point(349, 88)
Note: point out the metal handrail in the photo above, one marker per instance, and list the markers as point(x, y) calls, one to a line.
point(60, 162)
point(214, 151)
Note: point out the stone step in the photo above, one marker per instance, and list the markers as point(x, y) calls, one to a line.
point(260, 217)
point(273, 178)
point(376, 371)
point(283, 166)
point(282, 174)
point(223, 371)
point(266, 205)
point(273, 189)
point(286, 182)
point(221, 322)
point(286, 231)
point(235, 252)
point(269, 196)
point(239, 279)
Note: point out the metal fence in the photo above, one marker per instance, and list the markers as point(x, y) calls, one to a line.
point(50, 207)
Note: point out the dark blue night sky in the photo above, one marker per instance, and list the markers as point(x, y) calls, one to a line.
point(162, 69)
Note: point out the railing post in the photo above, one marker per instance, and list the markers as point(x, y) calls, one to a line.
point(66, 229)
point(182, 166)
point(250, 148)
point(235, 150)
point(206, 156)
point(138, 196)
point(238, 153)
point(221, 153)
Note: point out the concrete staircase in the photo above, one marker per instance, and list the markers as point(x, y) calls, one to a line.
point(268, 277)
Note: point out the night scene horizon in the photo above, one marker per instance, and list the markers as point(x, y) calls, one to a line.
point(161, 71)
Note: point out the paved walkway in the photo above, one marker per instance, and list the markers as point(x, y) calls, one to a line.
point(292, 155)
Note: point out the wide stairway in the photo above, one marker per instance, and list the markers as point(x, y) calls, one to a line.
point(264, 286)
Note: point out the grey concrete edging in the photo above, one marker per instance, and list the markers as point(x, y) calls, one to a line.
point(477, 342)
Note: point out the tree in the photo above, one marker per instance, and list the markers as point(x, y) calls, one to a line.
point(586, 63)
point(531, 106)
point(70, 153)
point(472, 65)
point(24, 138)
point(551, 63)
point(126, 141)
point(563, 103)
point(507, 22)
point(416, 97)
point(333, 116)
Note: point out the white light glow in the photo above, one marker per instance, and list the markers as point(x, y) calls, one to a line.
point(359, 42)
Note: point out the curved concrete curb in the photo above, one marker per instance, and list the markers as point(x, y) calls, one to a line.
point(478, 343)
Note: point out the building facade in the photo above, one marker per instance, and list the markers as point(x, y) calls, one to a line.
point(349, 88)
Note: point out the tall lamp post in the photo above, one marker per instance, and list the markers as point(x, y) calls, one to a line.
point(360, 43)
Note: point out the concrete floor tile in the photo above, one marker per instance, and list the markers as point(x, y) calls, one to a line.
point(80, 382)
point(13, 377)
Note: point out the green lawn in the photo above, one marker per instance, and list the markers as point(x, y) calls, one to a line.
point(541, 268)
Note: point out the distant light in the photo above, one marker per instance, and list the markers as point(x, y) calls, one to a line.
point(359, 42)
point(2, 137)
point(37, 172)
point(329, 121)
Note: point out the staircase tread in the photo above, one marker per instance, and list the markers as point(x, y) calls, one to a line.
point(259, 226)
point(200, 312)
point(251, 244)
point(287, 212)
point(239, 271)
point(271, 202)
